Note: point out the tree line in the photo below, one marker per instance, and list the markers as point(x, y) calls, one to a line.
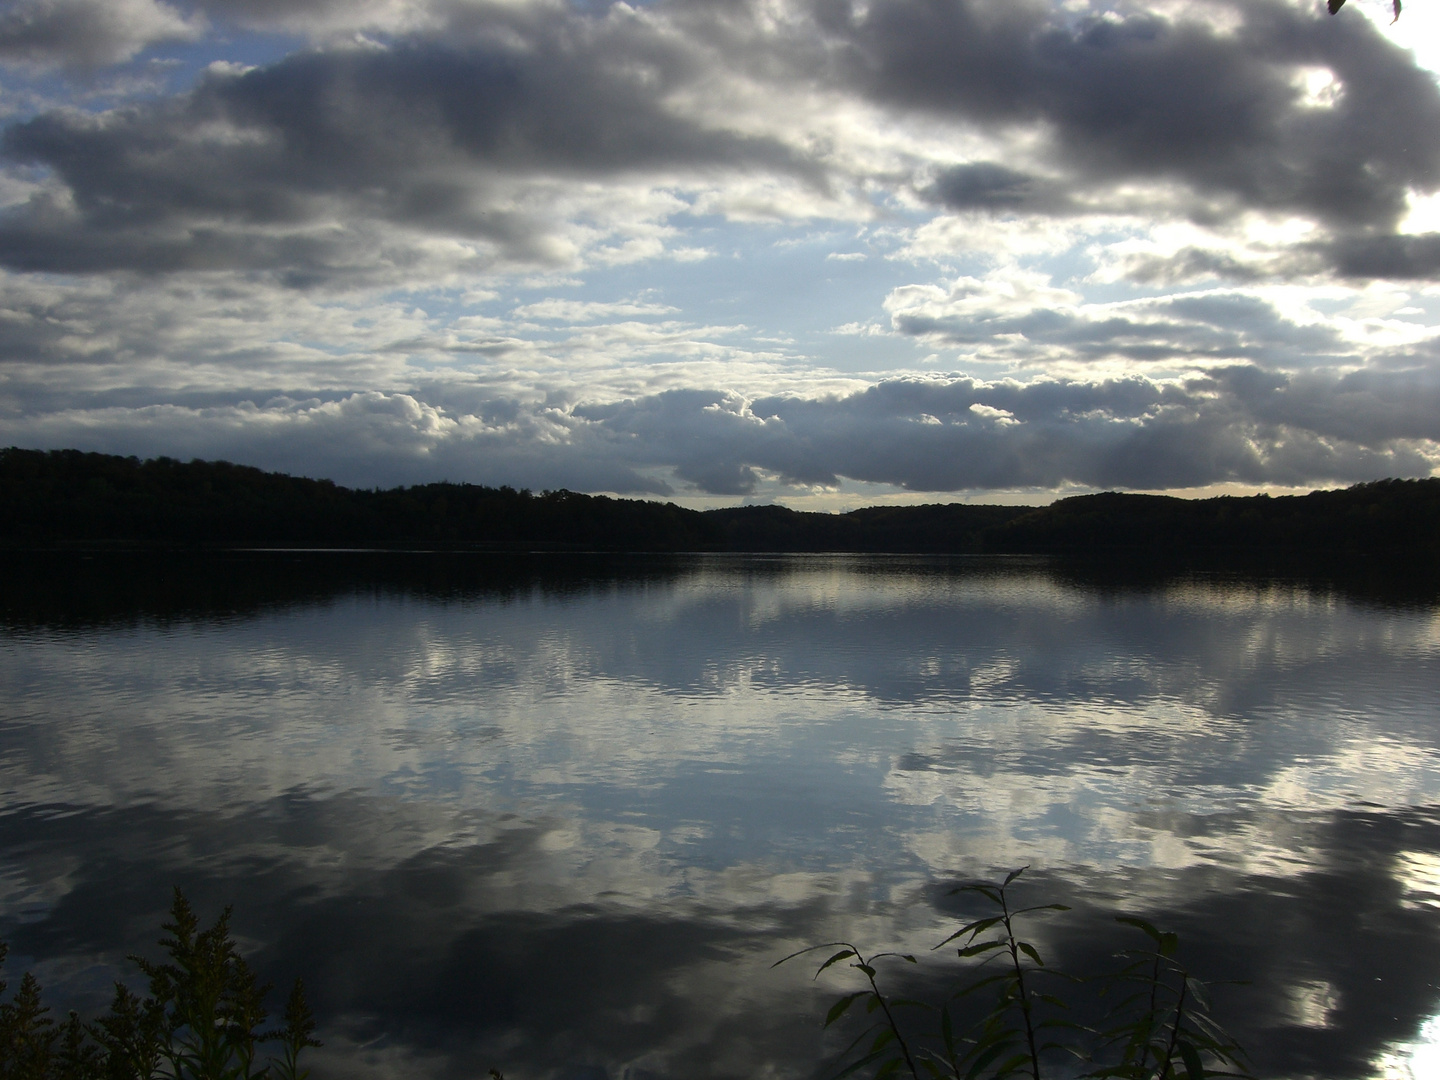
point(67, 498)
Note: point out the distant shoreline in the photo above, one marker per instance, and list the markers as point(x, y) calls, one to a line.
point(69, 500)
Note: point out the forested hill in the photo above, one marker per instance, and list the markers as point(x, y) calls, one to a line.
point(65, 498)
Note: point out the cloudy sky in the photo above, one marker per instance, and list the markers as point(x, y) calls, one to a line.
point(826, 252)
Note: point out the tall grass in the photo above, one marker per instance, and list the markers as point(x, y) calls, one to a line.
point(1155, 1025)
point(203, 1017)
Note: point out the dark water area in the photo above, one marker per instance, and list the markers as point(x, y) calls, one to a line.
point(560, 815)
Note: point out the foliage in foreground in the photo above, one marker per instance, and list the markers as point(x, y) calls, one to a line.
point(203, 1018)
point(1156, 1024)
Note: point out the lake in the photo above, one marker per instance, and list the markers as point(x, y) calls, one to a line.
point(560, 815)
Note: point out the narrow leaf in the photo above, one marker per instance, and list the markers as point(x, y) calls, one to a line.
point(978, 1065)
point(856, 1066)
point(777, 963)
point(838, 1009)
point(979, 926)
point(843, 954)
point(1141, 924)
point(976, 950)
point(1192, 1060)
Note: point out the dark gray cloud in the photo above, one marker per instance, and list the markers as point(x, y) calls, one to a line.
point(1210, 326)
point(300, 166)
point(986, 185)
point(1146, 97)
point(1238, 424)
point(1192, 264)
point(268, 14)
point(359, 439)
point(1388, 256)
point(434, 130)
point(86, 33)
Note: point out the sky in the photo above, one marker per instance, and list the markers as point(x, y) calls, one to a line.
point(827, 253)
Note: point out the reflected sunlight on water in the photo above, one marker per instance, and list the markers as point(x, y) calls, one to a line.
point(1415, 1060)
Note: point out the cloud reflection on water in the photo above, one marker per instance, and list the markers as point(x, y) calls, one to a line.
point(550, 828)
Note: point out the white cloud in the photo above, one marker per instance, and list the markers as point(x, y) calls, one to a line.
point(586, 311)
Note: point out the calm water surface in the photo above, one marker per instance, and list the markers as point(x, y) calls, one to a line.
point(561, 817)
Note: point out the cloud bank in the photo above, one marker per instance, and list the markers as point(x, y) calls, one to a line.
point(1234, 425)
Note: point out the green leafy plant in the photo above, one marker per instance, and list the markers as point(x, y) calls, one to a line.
point(887, 1050)
point(1162, 1026)
point(203, 1018)
point(1157, 1023)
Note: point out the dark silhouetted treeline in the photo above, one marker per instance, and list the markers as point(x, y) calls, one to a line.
point(66, 498)
point(69, 497)
point(1399, 518)
point(953, 528)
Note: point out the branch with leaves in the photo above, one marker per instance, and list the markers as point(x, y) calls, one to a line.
point(887, 1050)
point(1157, 1027)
